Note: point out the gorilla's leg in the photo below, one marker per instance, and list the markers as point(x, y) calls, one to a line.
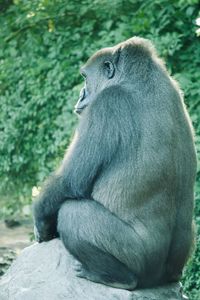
point(88, 230)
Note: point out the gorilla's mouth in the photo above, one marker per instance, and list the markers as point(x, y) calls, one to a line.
point(78, 110)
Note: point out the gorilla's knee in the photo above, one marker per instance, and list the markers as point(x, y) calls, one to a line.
point(71, 218)
point(66, 215)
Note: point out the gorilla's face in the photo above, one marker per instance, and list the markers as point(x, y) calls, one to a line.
point(98, 73)
point(114, 66)
point(83, 101)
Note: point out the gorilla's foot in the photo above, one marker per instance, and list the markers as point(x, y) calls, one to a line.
point(129, 281)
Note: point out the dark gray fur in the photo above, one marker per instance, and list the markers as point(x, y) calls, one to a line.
point(122, 200)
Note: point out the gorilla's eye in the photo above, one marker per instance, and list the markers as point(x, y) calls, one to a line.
point(109, 69)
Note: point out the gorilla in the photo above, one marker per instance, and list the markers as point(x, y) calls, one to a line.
point(122, 199)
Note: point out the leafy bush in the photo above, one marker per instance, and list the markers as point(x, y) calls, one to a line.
point(43, 43)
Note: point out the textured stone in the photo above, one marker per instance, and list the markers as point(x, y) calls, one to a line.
point(45, 272)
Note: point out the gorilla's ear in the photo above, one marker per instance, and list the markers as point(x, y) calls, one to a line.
point(109, 69)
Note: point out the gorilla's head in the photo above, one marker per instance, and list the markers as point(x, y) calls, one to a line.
point(118, 65)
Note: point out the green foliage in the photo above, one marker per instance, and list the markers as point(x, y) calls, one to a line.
point(43, 43)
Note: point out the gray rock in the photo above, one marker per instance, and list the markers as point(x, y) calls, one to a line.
point(45, 272)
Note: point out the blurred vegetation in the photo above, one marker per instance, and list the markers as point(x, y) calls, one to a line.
point(43, 43)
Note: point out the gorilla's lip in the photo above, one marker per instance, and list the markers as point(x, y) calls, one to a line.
point(78, 110)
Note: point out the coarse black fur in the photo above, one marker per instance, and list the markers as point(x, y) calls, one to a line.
point(122, 200)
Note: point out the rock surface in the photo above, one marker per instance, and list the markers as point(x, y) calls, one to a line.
point(45, 272)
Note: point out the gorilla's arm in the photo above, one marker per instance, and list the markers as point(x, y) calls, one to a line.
point(93, 146)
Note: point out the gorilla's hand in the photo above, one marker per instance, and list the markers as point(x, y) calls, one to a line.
point(36, 234)
point(45, 230)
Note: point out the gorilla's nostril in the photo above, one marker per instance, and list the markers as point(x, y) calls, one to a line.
point(82, 94)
